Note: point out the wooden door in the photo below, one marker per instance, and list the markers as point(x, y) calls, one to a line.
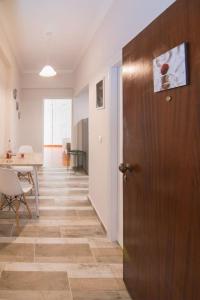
point(162, 143)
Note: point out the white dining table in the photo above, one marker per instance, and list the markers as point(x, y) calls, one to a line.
point(34, 160)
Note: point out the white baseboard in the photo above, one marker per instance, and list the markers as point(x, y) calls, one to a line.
point(100, 220)
point(98, 215)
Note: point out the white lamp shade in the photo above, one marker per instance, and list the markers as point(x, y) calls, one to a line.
point(47, 71)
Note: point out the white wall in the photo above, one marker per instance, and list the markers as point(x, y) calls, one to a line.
point(124, 21)
point(31, 125)
point(80, 111)
point(9, 80)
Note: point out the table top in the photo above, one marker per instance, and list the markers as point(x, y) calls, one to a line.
point(30, 159)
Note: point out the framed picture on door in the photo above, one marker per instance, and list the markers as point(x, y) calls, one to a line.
point(100, 94)
point(171, 69)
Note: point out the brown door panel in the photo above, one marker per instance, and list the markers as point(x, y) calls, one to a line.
point(162, 142)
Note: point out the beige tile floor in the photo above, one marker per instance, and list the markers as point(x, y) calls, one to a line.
point(63, 255)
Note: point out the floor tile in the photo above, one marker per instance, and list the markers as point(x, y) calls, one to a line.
point(101, 295)
point(82, 231)
point(57, 214)
point(11, 215)
point(39, 281)
point(95, 284)
point(73, 203)
point(91, 270)
point(102, 242)
point(86, 213)
point(20, 295)
point(5, 229)
point(63, 253)
point(16, 252)
point(37, 231)
point(43, 202)
point(108, 255)
point(35, 295)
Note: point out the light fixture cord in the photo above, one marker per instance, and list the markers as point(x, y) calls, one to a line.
point(48, 44)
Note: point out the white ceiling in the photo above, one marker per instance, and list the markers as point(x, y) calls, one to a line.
point(72, 23)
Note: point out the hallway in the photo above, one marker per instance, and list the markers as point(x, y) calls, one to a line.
point(65, 253)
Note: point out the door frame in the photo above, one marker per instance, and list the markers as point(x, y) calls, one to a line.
point(114, 135)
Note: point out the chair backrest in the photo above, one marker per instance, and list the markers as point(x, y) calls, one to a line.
point(9, 183)
point(25, 149)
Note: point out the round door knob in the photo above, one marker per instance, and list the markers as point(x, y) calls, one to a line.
point(122, 168)
point(125, 168)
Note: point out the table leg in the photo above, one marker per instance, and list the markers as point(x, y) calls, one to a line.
point(36, 190)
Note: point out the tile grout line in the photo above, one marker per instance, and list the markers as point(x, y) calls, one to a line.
point(93, 255)
point(12, 229)
point(70, 289)
point(34, 249)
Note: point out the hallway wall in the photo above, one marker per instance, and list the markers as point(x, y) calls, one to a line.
point(80, 111)
point(124, 21)
point(31, 125)
point(9, 80)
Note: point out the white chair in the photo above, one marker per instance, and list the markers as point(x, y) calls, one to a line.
point(25, 172)
point(13, 192)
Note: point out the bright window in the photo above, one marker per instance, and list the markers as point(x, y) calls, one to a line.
point(57, 121)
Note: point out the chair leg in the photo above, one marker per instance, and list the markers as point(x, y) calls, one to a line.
point(2, 202)
point(17, 212)
point(29, 177)
point(27, 206)
point(32, 180)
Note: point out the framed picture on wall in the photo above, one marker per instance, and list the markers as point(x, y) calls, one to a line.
point(17, 106)
point(100, 94)
point(170, 69)
point(15, 94)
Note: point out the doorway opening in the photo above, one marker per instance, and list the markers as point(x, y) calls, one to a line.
point(80, 136)
point(57, 131)
point(57, 121)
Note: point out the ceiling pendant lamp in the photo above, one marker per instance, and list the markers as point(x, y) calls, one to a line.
point(47, 71)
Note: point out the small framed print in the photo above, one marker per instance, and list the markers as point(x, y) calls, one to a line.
point(15, 94)
point(100, 94)
point(17, 106)
point(170, 70)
